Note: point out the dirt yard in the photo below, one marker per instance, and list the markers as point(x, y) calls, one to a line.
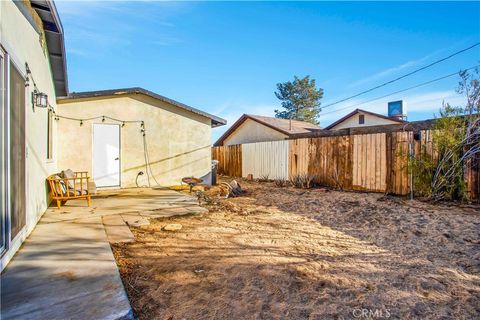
point(285, 253)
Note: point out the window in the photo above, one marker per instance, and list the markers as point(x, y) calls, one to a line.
point(50, 134)
point(361, 119)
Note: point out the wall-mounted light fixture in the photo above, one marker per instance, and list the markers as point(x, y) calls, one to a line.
point(39, 99)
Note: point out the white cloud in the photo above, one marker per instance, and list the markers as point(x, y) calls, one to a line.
point(395, 69)
point(110, 26)
point(166, 40)
point(77, 52)
point(427, 102)
point(83, 9)
point(385, 73)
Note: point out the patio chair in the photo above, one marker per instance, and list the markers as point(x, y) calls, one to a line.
point(69, 185)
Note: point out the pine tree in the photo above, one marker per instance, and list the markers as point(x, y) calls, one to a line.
point(300, 99)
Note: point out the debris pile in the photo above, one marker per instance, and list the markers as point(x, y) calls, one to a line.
point(227, 190)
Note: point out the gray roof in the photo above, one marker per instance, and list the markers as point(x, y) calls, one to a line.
point(216, 121)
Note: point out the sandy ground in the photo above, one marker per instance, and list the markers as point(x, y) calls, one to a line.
point(285, 253)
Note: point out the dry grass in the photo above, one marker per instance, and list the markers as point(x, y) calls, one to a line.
point(285, 253)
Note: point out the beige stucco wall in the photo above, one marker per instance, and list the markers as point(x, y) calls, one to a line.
point(178, 141)
point(370, 120)
point(21, 42)
point(251, 131)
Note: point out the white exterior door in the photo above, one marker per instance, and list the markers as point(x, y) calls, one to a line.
point(106, 155)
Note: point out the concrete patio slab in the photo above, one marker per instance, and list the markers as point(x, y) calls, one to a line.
point(144, 201)
point(135, 220)
point(116, 229)
point(66, 269)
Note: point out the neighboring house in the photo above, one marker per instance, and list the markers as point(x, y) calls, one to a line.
point(362, 118)
point(252, 128)
point(177, 141)
point(32, 59)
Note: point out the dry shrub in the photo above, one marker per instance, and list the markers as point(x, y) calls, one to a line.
point(264, 178)
point(304, 181)
point(281, 183)
point(456, 144)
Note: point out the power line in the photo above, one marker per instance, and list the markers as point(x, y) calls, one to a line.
point(403, 76)
point(400, 91)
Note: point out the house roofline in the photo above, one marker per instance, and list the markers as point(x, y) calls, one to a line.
point(364, 111)
point(382, 128)
point(74, 96)
point(239, 122)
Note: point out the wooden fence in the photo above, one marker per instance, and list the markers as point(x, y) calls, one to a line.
point(229, 160)
point(473, 179)
point(329, 159)
point(368, 162)
point(375, 162)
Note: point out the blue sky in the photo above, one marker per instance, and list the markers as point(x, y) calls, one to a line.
point(226, 57)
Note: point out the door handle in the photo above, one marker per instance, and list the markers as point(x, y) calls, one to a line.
point(116, 158)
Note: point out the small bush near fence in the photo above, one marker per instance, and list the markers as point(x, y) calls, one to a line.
point(264, 178)
point(304, 181)
point(440, 174)
point(443, 174)
point(281, 183)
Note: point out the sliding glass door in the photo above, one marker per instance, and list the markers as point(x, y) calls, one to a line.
point(3, 164)
point(12, 152)
point(17, 152)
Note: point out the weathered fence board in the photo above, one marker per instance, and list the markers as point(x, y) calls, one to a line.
point(473, 179)
point(265, 159)
point(326, 158)
point(369, 162)
point(398, 155)
point(229, 160)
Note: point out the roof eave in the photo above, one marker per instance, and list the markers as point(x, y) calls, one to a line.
point(331, 126)
point(54, 37)
point(215, 121)
point(230, 130)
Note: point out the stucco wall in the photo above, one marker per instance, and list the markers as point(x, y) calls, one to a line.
point(22, 44)
point(178, 141)
point(252, 131)
point(370, 120)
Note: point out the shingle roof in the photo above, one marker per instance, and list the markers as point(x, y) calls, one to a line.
point(282, 125)
point(216, 121)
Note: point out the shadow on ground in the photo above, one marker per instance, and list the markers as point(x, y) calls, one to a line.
point(283, 254)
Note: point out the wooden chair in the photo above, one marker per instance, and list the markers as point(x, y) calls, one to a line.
point(74, 187)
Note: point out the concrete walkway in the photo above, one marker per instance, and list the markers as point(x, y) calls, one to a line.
point(66, 269)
